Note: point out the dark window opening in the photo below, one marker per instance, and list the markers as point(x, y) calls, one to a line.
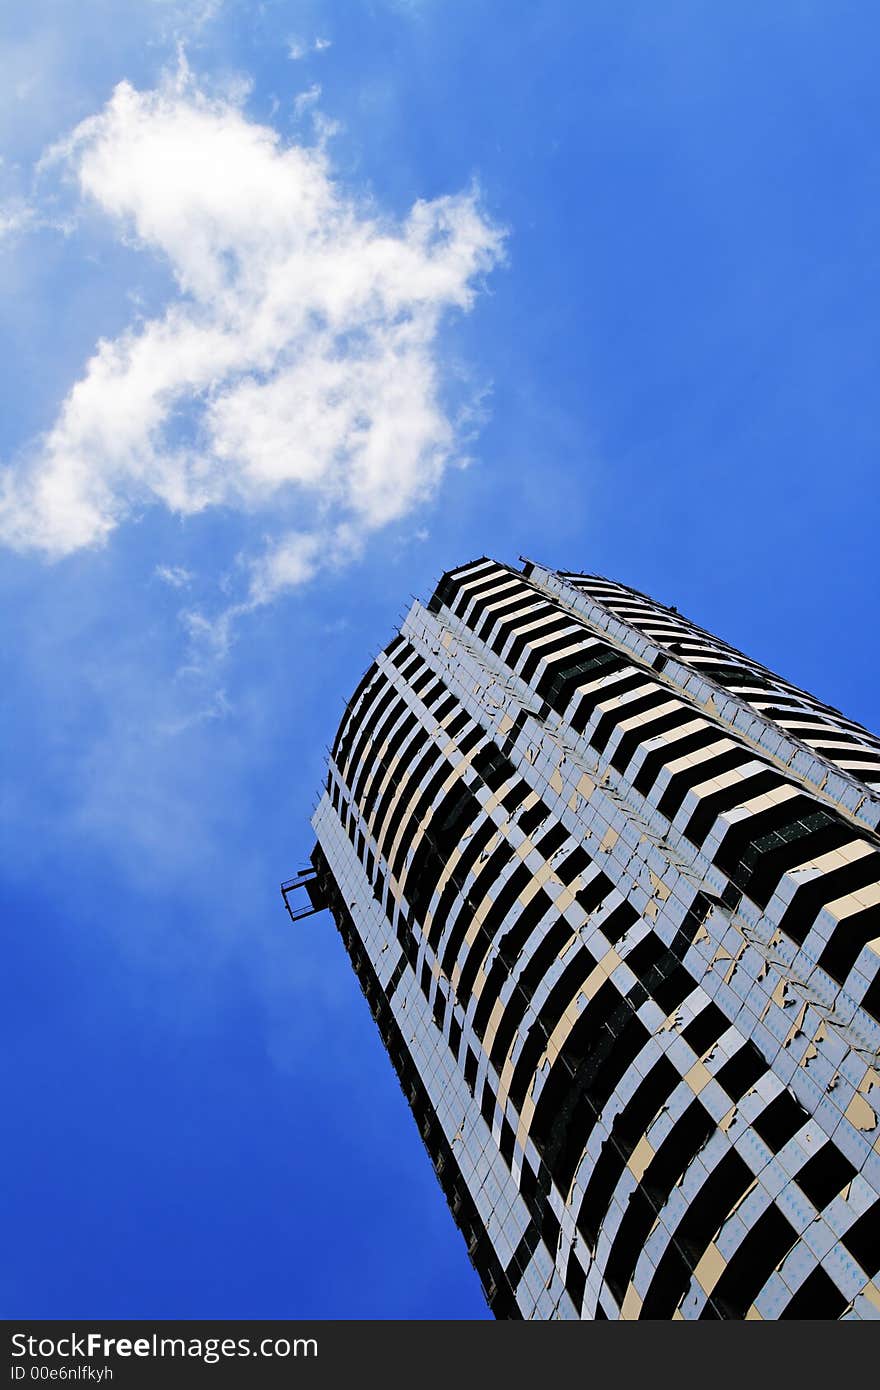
point(752, 1263)
point(633, 739)
point(655, 696)
point(473, 847)
point(847, 941)
point(488, 873)
point(769, 856)
point(725, 1186)
point(741, 1071)
point(558, 684)
point(576, 862)
point(593, 893)
point(551, 840)
point(560, 996)
point(817, 1297)
point(556, 934)
point(824, 1175)
point(575, 1281)
point(658, 758)
point(713, 804)
point(566, 633)
point(862, 1240)
point(687, 1136)
point(705, 1029)
point(809, 899)
point(627, 1129)
point(492, 923)
point(731, 676)
point(605, 690)
point(747, 839)
point(781, 1119)
point(533, 817)
point(511, 945)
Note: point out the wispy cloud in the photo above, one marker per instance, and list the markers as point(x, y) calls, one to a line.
point(297, 49)
point(19, 215)
point(294, 373)
point(184, 19)
point(176, 576)
point(218, 707)
point(303, 100)
point(15, 215)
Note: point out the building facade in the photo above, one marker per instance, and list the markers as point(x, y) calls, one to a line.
point(612, 892)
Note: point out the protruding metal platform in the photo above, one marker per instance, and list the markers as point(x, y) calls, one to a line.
point(307, 879)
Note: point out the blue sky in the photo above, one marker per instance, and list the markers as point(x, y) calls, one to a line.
point(381, 286)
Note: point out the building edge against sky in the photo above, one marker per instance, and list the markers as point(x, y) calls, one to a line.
point(612, 892)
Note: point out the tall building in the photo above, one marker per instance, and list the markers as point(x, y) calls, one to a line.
point(612, 892)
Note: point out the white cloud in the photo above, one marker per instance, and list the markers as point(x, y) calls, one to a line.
point(179, 19)
point(15, 216)
point(296, 370)
point(291, 561)
point(297, 49)
point(218, 707)
point(174, 575)
point(304, 100)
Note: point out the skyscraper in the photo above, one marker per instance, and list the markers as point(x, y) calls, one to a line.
point(612, 892)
